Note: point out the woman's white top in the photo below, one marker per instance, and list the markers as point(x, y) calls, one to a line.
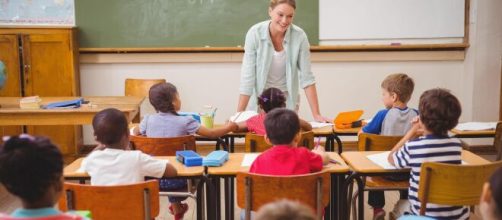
point(277, 74)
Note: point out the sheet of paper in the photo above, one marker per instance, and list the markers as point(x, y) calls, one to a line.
point(249, 159)
point(476, 126)
point(381, 160)
point(242, 116)
point(316, 124)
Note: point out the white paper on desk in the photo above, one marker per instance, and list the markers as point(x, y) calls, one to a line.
point(249, 159)
point(242, 116)
point(381, 159)
point(316, 124)
point(476, 126)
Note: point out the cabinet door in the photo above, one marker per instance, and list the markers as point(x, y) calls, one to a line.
point(48, 71)
point(9, 55)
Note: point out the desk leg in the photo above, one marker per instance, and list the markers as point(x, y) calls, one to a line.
point(229, 198)
point(213, 198)
point(232, 144)
point(217, 193)
point(200, 199)
point(338, 143)
point(360, 204)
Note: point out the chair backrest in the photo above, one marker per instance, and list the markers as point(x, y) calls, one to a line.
point(256, 143)
point(437, 181)
point(374, 142)
point(255, 190)
point(162, 146)
point(497, 142)
point(140, 87)
point(134, 201)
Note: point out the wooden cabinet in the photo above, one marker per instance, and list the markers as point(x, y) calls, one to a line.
point(43, 62)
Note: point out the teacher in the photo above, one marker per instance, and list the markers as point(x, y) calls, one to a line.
point(277, 54)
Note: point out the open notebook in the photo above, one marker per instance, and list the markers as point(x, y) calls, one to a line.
point(381, 160)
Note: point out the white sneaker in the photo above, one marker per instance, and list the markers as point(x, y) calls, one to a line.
point(402, 206)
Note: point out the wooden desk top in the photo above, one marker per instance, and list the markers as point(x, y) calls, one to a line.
point(70, 171)
point(11, 114)
point(472, 134)
point(233, 165)
point(358, 161)
point(346, 131)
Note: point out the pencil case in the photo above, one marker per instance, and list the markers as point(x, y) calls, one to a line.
point(189, 158)
point(215, 159)
point(65, 104)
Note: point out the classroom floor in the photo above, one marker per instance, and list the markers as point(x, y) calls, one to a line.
point(9, 203)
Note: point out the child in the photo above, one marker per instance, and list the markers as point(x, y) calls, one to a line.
point(285, 158)
point(269, 99)
point(285, 209)
point(115, 165)
point(394, 120)
point(439, 112)
point(165, 99)
point(31, 168)
point(490, 203)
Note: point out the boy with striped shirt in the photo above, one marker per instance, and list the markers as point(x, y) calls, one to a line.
point(439, 112)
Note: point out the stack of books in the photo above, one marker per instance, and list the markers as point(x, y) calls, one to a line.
point(31, 102)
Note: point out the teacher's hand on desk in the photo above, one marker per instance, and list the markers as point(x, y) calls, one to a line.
point(320, 118)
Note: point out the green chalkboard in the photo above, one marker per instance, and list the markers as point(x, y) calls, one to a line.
point(179, 23)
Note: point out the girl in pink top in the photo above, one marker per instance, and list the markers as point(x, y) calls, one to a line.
point(269, 99)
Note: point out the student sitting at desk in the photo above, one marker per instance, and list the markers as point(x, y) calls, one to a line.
point(286, 157)
point(439, 112)
point(269, 99)
point(113, 163)
point(490, 204)
point(394, 120)
point(165, 99)
point(31, 168)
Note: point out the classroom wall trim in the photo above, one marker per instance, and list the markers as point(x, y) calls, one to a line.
point(237, 57)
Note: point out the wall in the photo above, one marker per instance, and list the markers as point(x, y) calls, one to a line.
point(345, 80)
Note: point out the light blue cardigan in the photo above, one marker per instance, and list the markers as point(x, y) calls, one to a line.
point(258, 51)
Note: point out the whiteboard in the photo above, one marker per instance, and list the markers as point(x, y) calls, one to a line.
point(389, 21)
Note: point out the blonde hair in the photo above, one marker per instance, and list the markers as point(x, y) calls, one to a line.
point(401, 84)
point(285, 209)
point(274, 3)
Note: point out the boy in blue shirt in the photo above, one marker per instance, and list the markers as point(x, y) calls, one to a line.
point(394, 120)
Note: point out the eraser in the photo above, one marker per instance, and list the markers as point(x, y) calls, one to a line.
point(395, 44)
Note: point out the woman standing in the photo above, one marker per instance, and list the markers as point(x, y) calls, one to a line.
point(277, 54)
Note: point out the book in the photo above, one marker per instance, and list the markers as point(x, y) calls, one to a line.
point(31, 102)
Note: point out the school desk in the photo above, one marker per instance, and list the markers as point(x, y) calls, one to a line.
point(229, 170)
point(71, 172)
point(326, 132)
point(473, 134)
point(362, 166)
point(11, 114)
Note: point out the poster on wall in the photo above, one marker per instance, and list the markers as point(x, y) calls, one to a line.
point(37, 13)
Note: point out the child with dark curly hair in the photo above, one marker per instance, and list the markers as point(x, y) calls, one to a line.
point(31, 168)
point(269, 99)
point(428, 141)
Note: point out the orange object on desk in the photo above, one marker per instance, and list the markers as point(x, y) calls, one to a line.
point(347, 119)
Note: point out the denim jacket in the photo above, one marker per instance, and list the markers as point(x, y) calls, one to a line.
point(258, 52)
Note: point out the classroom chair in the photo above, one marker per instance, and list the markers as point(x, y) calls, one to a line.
point(255, 190)
point(140, 87)
point(162, 146)
point(437, 179)
point(374, 142)
point(133, 201)
point(497, 141)
point(256, 143)
point(165, 147)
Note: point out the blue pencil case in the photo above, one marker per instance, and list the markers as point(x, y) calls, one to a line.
point(194, 115)
point(215, 159)
point(65, 104)
point(189, 158)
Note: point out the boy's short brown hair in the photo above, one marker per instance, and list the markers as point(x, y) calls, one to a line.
point(401, 84)
point(110, 125)
point(439, 110)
